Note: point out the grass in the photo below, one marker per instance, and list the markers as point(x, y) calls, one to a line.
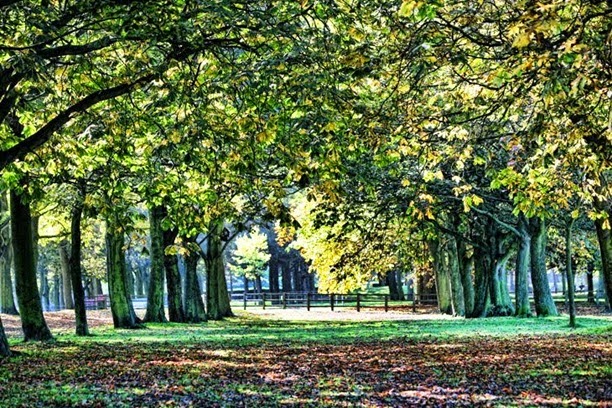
point(255, 360)
point(250, 330)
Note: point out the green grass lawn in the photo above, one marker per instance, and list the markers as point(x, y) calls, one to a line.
point(250, 330)
point(255, 361)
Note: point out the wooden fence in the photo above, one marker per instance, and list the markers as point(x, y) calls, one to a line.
point(311, 300)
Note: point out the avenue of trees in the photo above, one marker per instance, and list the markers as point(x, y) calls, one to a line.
point(459, 140)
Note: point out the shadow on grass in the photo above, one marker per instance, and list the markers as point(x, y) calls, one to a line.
point(251, 330)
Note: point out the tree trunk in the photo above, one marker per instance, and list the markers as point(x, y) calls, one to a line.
point(121, 303)
point(296, 272)
point(44, 289)
point(273, 269)
point(218, 301)
point(28, 297)
point(66, 281)
point(173, 280)
point(258, 286)
point(399, 281)
point(590, 283)
point(501, 305)
point(523, 261)
point(139, 276)
point(5, 351)
point(467, 266)
point(155, 299)
point(544, 304)
point(456, 288)
point(570, 273)
point(286, 276)
point(440, 267)
point(7, 300)
point(481, 283)
point(75, 271)
point(194, 306)
point(391, 282)
point(604, 236)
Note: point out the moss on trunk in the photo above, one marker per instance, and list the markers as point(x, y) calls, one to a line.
point(66, 281)
point(5, 351)
point(454, 272)
point(155, 294)
point(523, 308)
point(28, 297)
point(217, 301)
point(121, 303)
point(7, 301)
point(443, 290)
point(544, 304)
point(173, 280)
point(75, 270)
point(194, 305)
point(467, 266)
point(604, 236)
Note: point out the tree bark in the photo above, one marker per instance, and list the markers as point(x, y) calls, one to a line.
point(523, 261)
point(286, 276)
point(482, 263)
point(467, 266)
point(5, 351)
point(500, 299)
point(440, 267)
point(155, 298)
point(570, 273)
point(273, 269)
point(7, 300)
point(544, 304)
point(121, 303)
point(456, 287)
point(176, 313)
point(66, 281)
point(604, 236)
point(217, 301)
point(390, 281)
point(28, 297)
point(56, 298)
point(590, 283)
point(44, 290)
point(194, 306)
point(75, 270)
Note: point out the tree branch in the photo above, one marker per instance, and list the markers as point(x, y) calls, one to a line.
point(498, 221)
point(41, 136)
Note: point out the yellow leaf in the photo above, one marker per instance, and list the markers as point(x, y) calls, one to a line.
point(407, 8)
point(476, 200)
point(522, 40)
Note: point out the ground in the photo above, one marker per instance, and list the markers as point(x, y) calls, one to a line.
point(323, 358)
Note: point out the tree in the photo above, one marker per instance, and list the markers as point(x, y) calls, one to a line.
point(250, 257)
point(7, 301)
point(28, 297)
point(194, 306)
point(217, 298)
point(155, 294)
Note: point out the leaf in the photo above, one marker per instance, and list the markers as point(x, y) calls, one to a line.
point(522, 40)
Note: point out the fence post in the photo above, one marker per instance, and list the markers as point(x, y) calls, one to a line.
point(263, 298)
point(359, 302)
point(331, 301)
point(284, 295)
point(308, 301)
point(244, 299)
point(386, 303)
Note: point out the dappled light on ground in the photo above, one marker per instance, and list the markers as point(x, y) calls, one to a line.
point(251, 361)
